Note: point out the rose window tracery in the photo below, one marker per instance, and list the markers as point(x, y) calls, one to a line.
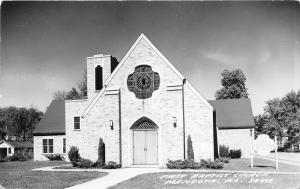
point(143, 81)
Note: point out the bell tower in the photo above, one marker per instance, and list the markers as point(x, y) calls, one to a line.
point(99, 68)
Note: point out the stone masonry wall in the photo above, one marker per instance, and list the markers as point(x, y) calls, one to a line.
point(199, 124)
point(160, 108)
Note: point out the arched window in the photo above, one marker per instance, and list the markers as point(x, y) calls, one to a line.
point(98, 78)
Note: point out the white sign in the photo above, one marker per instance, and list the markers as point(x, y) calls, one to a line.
point(263, 145)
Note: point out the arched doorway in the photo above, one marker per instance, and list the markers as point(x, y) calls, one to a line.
point(145, 142)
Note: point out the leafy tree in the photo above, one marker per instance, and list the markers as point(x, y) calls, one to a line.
point(190, 150)
point(281, 117)
point(20, 122)
point(74, 93)
point(260, 124)
point(234, 85)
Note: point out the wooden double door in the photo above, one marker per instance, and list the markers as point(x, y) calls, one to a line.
point(145, 147)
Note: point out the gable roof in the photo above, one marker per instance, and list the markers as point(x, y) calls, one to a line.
point(233, 113)
point(18, 144)
point(142, 36)
point(53, 121)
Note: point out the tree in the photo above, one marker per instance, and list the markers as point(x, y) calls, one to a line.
point(281, 117)
point(260, 124)
point(234, 85)
point(101, 152)
point(20, 122)
point(75, 93)
point(190, 150)
point(59, 95)
point(82, 85)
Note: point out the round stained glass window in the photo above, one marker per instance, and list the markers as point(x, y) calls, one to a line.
point(143, 81)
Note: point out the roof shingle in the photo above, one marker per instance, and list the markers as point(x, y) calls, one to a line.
point(233, 113)
point(53, 121)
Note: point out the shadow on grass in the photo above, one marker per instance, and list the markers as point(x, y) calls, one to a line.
point(263, 166)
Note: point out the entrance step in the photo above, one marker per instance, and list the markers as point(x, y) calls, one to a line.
point(144, 166)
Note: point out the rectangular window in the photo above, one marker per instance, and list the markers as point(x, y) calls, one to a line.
point(9, 150)
point(47, 146)
point(50, 146)
point(45, 149)
point(76, 122)
point(64, 145)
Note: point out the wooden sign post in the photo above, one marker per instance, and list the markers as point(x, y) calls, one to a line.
point(252, 151)
point(276, 155)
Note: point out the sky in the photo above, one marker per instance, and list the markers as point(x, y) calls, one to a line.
point(44, 45)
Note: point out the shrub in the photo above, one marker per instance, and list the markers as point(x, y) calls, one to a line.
point(55, 157)
point(73, 154)
point(3, 159)
point(111, 165)
point(217, 164)
point(190, 150)
point(235, 153)
point(224, 159)
point(101, 152)
point(17, 157)
point(224, 151)
point(177, 164)
point(183, 164)
point(83, 163)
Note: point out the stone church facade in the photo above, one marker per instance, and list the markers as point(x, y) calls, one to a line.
point(139, 111)
point(142, 108)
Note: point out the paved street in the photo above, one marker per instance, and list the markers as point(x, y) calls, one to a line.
point(284, 157)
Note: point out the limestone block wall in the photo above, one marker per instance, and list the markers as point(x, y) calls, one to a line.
point(98, 125)
point(92, 62)
point(199, 124)
point(74, 108)
point(38, 154)
point(236, 139)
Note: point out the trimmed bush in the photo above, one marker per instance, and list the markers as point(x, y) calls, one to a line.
point(224, 151)
point(190, 150)
point(73, 154)
point(183, 164)
point(217, 164)
point(101, 152)
point(83, 163)
point(55, 157)
point(111, 165)
point(17, 157)
point(224, 159)
point(191, 164)
point(235, 153)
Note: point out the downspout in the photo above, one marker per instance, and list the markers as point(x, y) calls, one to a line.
point(183, 117)
point(120, 139)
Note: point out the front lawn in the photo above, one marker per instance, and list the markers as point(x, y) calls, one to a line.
point(194, 180)
point(222, 180)
point(19, 174)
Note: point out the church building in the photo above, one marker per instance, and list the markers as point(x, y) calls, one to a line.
point(144, 109)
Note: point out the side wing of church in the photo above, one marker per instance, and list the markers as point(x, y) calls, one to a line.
point(142, 108)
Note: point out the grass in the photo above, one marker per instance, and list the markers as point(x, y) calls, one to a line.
point(229, 180)
point(20, 175)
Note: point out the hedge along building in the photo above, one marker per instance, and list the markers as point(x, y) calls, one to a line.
point(142, 108)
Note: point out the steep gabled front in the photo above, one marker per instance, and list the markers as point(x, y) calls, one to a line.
point(139, 45)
